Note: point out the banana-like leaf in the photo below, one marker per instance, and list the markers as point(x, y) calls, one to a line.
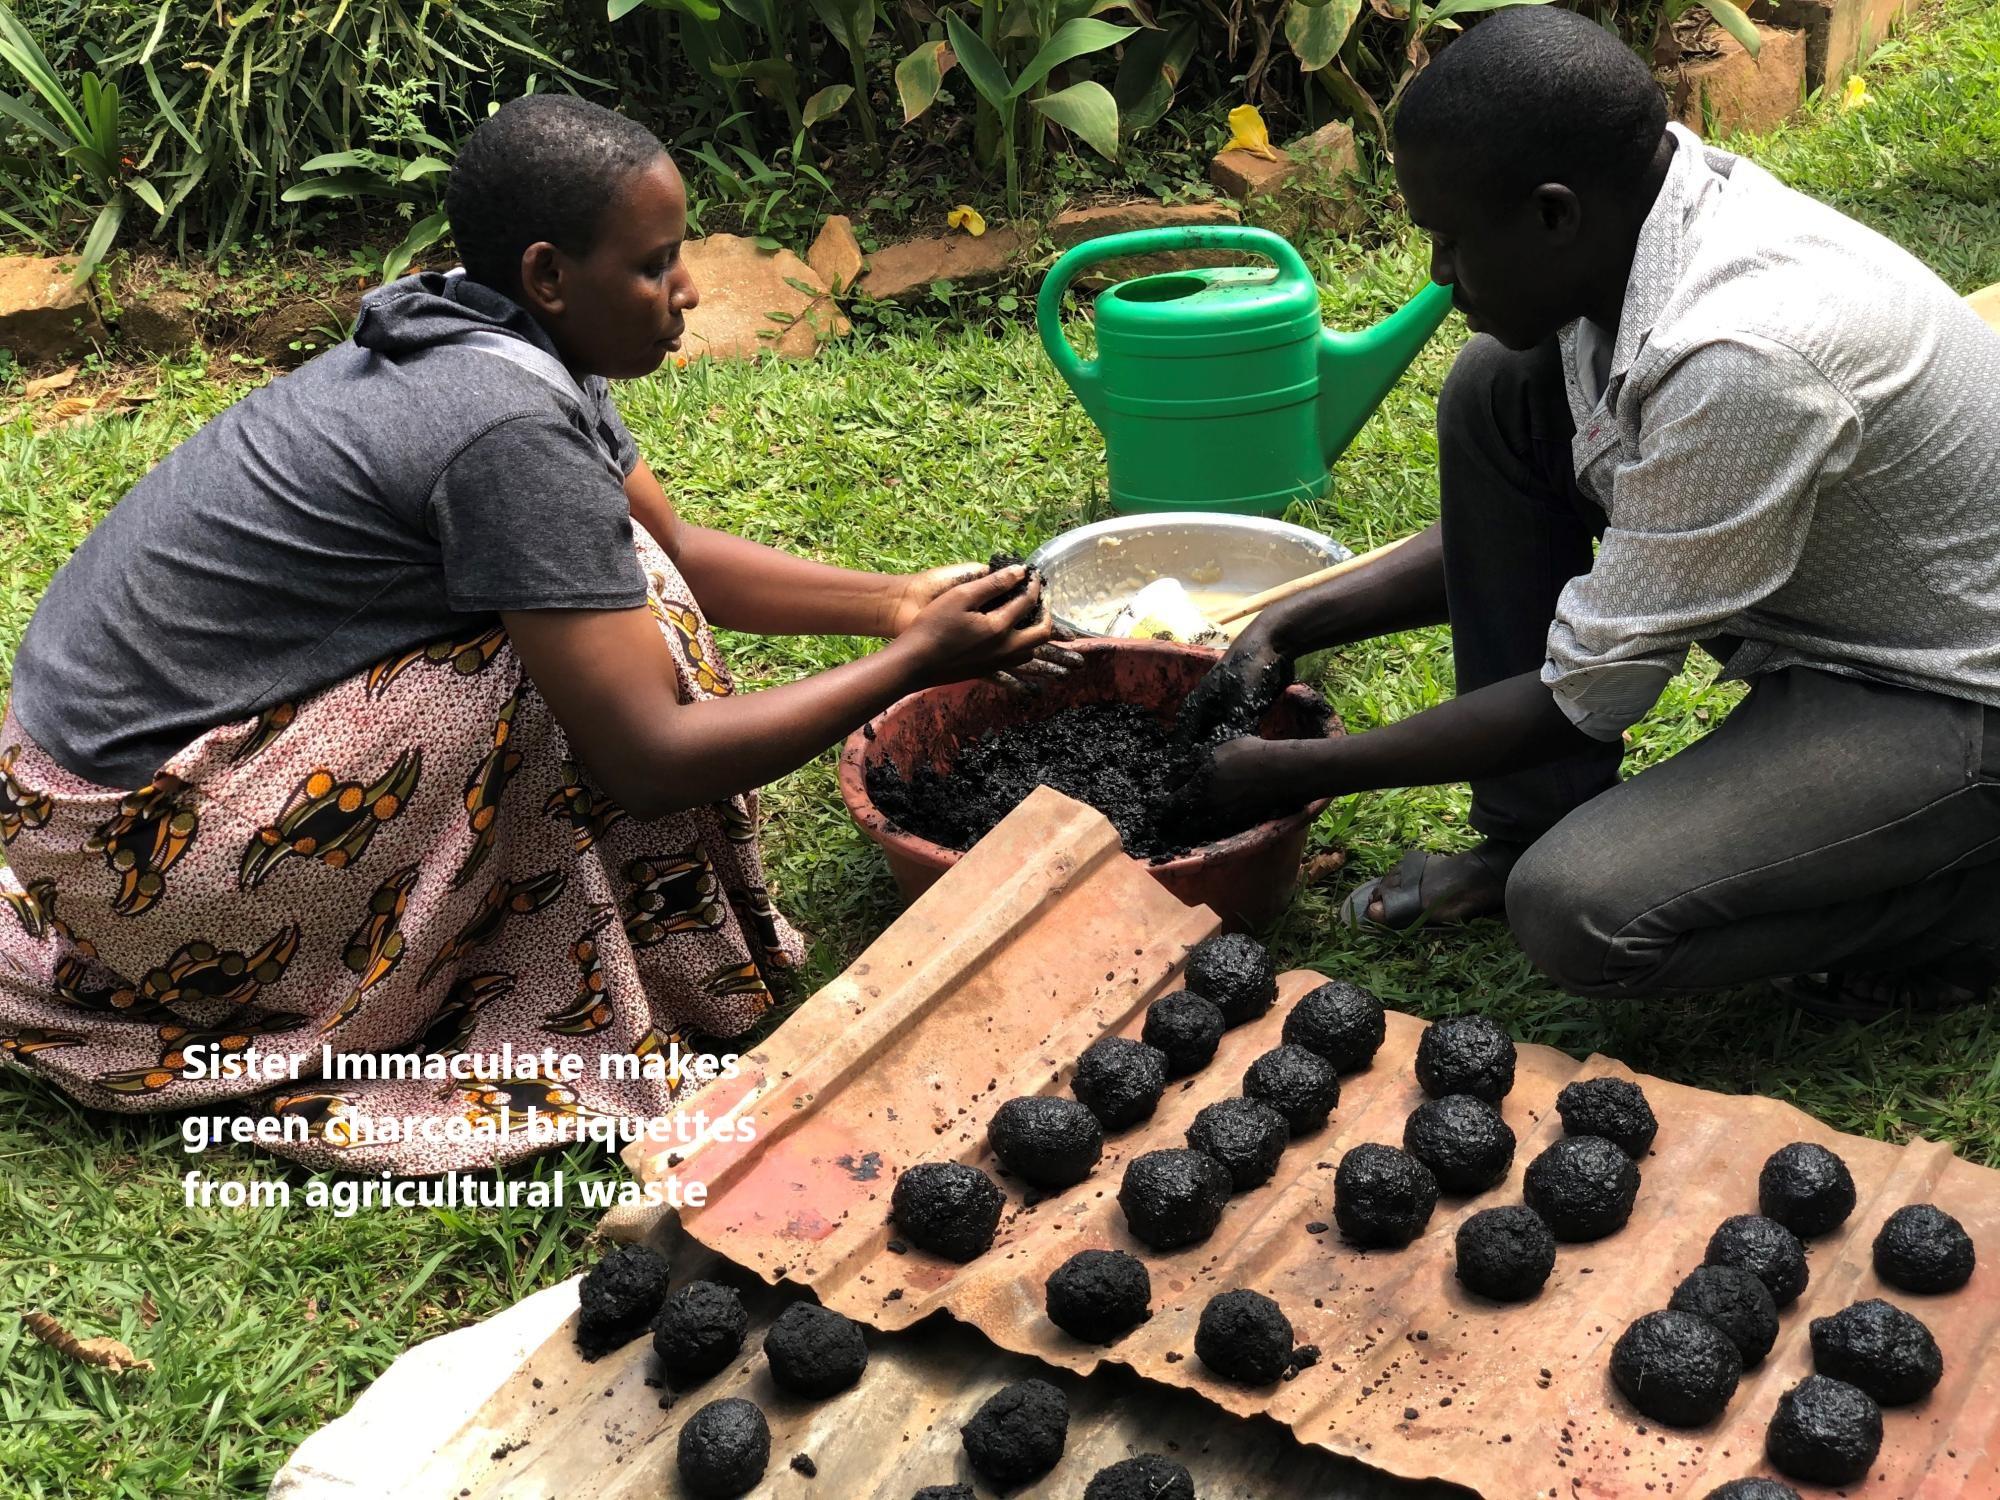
point(147, 194)
point(1316, 32)
point(1445, 9)
point(920, 75)
point(1073, 39)
point(341, 185)
point(102, 233)
point(23, 113)
point(423, 166)
point(1149, 73)
point(329, 160)
point(1089, 112)
point(852, 22)
point(979, 63)
point(1732, 20)
point(423, 234)
point(828, 101)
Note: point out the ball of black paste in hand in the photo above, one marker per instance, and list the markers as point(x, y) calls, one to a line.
point(1825, 1431)
point(1382, 1196)
point(1235, 972)
point(1735, 1301)
point(814, 1351)
point(1018, 1433)
point(947, 1208)
point(1766, 1249)
point(697, 1331)
point(1888, 1353)
point(1245, 1135)
point(946, 1492)
point(1185, 1027)
point(723, 1449)
point(1099, 1296)
point(1340, 1021)
point(1505, 1253)
point(1244, 1336)
point(1753, 1489)
point(1463, 1140)
point(1583, 1186)
point(1921, 1248)
point(1173, 1198)
point(1298, 1084)
point(1049, 1142)
point(1149, 1476)
point(1676, 1368)
point(1465, 1055)
point(1613, 1108)
point(618, 1299)
point(1806, 1188)
point(1120, 1080)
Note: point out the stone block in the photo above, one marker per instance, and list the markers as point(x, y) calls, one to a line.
point(1244, 175)
point(904, 272)
point(742, 287)
point(43, 319)
point(1734, 91)
point(1076, 225)
point(836, 256)
point(1840, 35)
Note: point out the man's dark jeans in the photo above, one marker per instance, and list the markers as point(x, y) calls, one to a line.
point(1829, 823)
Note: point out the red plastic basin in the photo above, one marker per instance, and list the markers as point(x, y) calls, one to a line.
point(1247, 878)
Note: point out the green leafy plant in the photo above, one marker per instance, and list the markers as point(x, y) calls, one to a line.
point(1063, 31)
point(87, 132)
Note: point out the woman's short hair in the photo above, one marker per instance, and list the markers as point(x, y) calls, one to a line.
point(541, 167)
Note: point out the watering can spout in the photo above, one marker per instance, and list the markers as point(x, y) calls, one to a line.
point(1356, 370)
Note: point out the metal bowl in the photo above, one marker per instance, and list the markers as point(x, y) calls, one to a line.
point(1090, 571)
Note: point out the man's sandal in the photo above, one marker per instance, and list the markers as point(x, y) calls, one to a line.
point(1402, 890)
point(1838, 996)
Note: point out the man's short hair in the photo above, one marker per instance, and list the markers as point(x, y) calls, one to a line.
point(1534, 95)
point(541, 167)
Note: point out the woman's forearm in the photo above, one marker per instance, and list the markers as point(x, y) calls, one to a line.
point(744, 585)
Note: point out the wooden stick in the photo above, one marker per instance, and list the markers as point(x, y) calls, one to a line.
point(1242, 609)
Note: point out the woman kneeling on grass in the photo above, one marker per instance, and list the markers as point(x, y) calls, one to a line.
point(382, 715)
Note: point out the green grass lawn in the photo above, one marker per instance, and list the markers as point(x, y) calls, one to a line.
point(901, 453)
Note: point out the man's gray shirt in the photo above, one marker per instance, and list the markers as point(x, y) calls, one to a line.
point(1796, 443)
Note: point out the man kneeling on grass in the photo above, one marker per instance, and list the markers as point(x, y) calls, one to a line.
point(1701, 410)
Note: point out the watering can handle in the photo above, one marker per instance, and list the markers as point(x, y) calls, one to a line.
point(1048, 305)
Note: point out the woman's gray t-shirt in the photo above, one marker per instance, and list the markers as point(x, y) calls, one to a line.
point(387, 493)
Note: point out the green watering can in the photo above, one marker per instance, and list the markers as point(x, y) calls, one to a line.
point(1219, 390)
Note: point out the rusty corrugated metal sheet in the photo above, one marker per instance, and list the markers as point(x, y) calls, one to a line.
point(1045, 938)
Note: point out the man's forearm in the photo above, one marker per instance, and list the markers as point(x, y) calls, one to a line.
point(1509, 726)
point(1403, 590)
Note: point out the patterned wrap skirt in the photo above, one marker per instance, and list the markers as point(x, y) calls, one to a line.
point(408, 862)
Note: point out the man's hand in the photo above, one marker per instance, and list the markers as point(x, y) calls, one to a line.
point(1240, 689)
point(1245, 781)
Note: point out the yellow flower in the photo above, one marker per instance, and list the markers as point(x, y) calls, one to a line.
point(1856, 95)
point(1247, 132)
point(968, 218)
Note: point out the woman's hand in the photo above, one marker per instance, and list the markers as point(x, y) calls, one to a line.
point(908, 595)
point(972, 629)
